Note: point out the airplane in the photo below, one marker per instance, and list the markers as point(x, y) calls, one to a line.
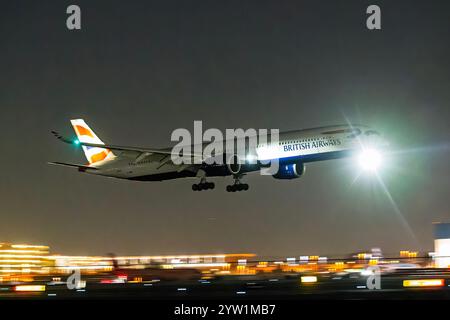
point(292, 150)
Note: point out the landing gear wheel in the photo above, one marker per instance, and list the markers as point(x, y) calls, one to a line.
point(237, 186)
point(203, 186)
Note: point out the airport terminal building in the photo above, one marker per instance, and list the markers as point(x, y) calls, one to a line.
point(442, 244)
point(23, 259)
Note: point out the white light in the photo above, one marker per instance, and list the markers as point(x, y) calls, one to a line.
point(251, 158)
point(242, 262)
point(369, 159)
point(308, 279)
point(366, 272)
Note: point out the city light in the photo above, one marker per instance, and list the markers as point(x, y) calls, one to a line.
point(25, 274)
point(29, 288)
point(424, 283)
point(309, 279)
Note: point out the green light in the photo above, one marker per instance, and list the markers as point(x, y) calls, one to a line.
point(77, 142)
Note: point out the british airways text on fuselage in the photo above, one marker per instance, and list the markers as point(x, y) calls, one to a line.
point(311, 145)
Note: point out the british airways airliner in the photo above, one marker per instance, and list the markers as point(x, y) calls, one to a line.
point(292, 150)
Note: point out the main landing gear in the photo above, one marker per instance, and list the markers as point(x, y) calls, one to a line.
point(237, 186)
point(203, 185)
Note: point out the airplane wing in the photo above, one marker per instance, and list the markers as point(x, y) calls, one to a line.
point(80, 167)
point(142, 152)
point(125, 148)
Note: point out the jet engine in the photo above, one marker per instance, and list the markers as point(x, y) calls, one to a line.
point(290, 171)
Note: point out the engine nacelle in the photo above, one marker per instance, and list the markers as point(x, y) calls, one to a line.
point(290, 171)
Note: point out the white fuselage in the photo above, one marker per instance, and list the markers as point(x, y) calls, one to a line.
point(306, 145)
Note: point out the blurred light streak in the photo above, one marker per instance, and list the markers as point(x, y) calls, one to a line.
point(29, 288)
point(397, 210)
point(309, 279)
point(424, 283)
point(424, 149)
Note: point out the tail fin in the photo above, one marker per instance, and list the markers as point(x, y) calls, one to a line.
point(85, 134)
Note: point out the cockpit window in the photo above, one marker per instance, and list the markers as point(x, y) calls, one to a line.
point(338, 131)
point(354, 134)
point(371, 133)
point(354, 131)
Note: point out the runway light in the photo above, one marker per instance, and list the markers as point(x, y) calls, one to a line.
point(309, 279)
point(29, 288)
point(424, 283)
point(369, 159)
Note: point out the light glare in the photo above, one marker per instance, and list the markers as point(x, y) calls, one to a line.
point(369, 160)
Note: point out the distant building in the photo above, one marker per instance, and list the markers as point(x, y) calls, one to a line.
point(101, 263)
point(26, 259)
point(23, 259)
point(442, 244)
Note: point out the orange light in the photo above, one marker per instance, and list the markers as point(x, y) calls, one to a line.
point(29, 288)
point(136, 280)
point(424, 283)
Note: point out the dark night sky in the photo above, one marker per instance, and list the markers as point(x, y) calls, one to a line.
point(139, 69)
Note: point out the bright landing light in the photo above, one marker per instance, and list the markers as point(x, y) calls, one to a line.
point(369, 159)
